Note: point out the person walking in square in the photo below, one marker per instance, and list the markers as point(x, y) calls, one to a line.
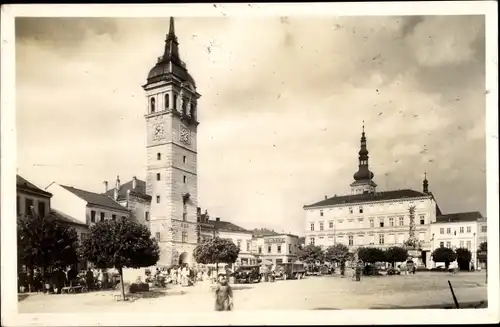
point(223, 294)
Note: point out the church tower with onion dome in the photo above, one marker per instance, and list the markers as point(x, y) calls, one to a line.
point(363, 178)
point(171, 179)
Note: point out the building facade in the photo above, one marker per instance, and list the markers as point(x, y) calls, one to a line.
point(459, 230)
point(171, 175)
point(367, 217)
point(276, 248)
point(30, 196)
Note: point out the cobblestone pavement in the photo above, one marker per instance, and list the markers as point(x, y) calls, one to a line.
point(425, 289)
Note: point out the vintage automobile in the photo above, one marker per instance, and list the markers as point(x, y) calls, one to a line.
point(289, 270)
point(247, 274)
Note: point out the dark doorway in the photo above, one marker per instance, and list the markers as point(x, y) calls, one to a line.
point(183, 258)
point(424, 258)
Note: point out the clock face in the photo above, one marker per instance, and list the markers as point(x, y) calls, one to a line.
point(158, 132)
point(184, 135)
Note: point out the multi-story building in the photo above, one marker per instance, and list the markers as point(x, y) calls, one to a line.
point(132, 196)
point(367, 217)
point(276, 248)
point(84, 207)
point(30, 197)
point(240, 236)
point(459, 230)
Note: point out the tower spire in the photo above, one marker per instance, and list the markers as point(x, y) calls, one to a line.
point(171, 52)
point(425, 183)
point(363, 177)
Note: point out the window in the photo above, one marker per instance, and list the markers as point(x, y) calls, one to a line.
point(468, 229)
point(184, 179)
point(102, 216)
point(483, 229)
point(260, 249)
point(184, 159)
point(422, 220)
point(157, 236)
point(469, 245)
point(448, 245)
point(18, 206)
point(268, 249)
point(441, 244)
point(41, 209)
point(167, 101)
point(372, 224)
point(123, 217)
point(461, 244)
point(351, 240)
point(279, 248)
point(152, 105)
point(448, 230)
point(92, 216)
point(381, 223)
point(312, 241)
point(27, 206)
point(321, 213)
point(157, 199)
point(350, 210)
point(184, 237)
point(248, 246)
point(401, 221)
point(441, 231)
point(175, 101)
point(381, 239)
point(113, 217)
point(360, 209)
point(146, 216)
point(239, 244)
point(312, 227)
point(461, 230)
point(391, 222)
point(158, 176)
point(321, 226)
point(330, 224)
point(289, 248)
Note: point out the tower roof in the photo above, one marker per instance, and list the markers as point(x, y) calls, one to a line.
point(170, 63)
point(363, 173)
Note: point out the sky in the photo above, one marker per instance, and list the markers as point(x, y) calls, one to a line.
point(283, 100)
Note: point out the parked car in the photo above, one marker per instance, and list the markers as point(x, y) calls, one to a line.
point(247, 274)
point(290, 270)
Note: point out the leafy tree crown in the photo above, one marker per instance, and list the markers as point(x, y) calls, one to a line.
point(216, 250)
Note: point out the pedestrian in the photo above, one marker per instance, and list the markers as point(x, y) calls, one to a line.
point(358, 271)
point(72, 273)
point(89, 279)
point(223, 294)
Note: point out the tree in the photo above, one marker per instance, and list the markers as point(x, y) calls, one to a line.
point(338, 253)
point(396, 254)
point(44, 242)
point(216, 250)
point(311, 254)
point(445, 255)
point(371, 255)
point(482, 251)
point(120, 244)
point(464, 257)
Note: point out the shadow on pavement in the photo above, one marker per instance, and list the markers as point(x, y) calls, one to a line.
point(21, 297)
point(466, 305)
point(326, 309)
point(241, 287)
point(153, 294)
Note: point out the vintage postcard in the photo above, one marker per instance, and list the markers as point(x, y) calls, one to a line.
point(305, 163)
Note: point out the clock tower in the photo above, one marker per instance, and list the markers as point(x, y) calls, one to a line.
point(171, 179)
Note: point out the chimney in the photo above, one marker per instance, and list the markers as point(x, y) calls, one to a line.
point(115, 194)
point(326, 197)
point(117, 185)
point(105, 186)
point(198, 211)
point(134, 182)
point(217, 219)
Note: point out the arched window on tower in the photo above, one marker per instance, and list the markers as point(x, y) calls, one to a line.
point(184, 106)
point(152, 105)
point(175, 101)
point(193, 111)
point(167, 101)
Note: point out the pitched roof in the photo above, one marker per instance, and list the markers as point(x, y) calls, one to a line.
point(96, 198)
point(62, 217)
point(459, 217)
point(227, 226)
point(140, 190)
point(368, 197)
point(24, 184)
point(260, 232)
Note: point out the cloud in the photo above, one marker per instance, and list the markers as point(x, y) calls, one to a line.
point(282, 105)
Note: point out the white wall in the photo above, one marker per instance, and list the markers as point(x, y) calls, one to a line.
point(244, 238)
point(108, 213)
point(456, 235)
point(67, 202)
point(338, 222)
